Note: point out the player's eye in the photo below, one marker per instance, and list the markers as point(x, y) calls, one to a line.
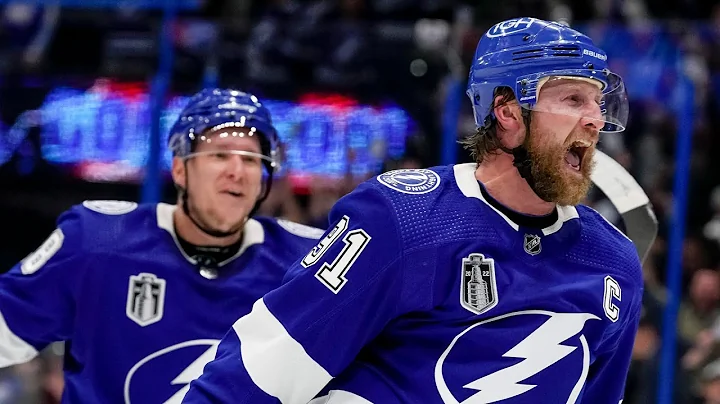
point(247, 159)
point(574, 100)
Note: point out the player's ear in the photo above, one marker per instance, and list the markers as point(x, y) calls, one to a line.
point(510, 123)
point(178, 172)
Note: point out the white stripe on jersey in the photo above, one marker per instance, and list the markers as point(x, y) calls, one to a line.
point(276, 362)
point(13, 349)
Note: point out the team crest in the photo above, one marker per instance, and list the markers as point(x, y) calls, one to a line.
point(410, 180)
point(146, 298)
point(532, 245)
point(478, 292)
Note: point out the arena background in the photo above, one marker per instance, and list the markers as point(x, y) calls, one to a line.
point(89, 88)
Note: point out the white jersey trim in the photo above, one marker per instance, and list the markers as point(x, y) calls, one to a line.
point(253, 232)
point(13, 349)
point(277, 363)
point(468, 184)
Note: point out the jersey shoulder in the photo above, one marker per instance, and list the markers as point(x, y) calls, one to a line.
point(91, 227)
point(432, 205)
point(285, 235)
point(606, 245)
point(105, 226)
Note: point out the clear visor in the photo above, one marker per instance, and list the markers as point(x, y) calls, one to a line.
point(232, 160)
point(232, 149)
point(595, 96)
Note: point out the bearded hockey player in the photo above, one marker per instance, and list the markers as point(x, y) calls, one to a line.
point(478, 283)
point(142, 294)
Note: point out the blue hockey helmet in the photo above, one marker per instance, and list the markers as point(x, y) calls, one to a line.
point(213, 110)
point(523, 54)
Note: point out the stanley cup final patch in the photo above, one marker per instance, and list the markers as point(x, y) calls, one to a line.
point(478, 292)
point(146, 299)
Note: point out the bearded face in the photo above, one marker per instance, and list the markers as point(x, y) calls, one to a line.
point(560, 167)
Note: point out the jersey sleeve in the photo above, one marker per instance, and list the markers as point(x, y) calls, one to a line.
point(333, 302)
point(608, 374)
point(36, 295)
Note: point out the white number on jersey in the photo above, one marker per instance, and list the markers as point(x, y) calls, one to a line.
point(332, 274)
point(612, 291)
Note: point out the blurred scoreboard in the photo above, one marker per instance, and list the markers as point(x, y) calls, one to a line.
point(101, 133)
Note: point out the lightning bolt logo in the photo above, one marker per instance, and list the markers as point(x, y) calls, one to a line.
point(539, 350)
point(187, 375)
point(192, 372)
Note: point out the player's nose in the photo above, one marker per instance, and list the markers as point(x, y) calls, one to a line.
point(593, 120)
point(236, 166)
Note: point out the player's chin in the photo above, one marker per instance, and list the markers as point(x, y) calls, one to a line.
point(574, 189)
point(229, 225)
point(230, 218)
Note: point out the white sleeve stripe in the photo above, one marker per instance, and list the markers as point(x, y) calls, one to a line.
point(13, 349)
point(276, 362)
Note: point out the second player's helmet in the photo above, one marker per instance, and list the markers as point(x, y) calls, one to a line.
point(215, 109)
point(524, 53)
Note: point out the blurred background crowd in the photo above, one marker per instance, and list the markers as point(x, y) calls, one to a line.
point(357, 87)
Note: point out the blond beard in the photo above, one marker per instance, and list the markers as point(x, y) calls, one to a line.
point(552, 182)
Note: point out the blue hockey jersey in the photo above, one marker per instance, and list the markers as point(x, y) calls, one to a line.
point(139, 319)
point(423, 291)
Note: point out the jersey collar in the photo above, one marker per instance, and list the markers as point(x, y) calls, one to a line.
point(469, 186)
point(253, 232)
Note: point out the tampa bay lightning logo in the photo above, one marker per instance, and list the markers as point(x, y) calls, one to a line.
point(164, 376)
point(411, 181)
point(549, 364)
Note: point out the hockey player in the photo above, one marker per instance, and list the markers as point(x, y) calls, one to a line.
point(142, 294)
point(473, 283)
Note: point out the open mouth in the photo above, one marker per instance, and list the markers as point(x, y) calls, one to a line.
point(576, 153)
point(233, 193)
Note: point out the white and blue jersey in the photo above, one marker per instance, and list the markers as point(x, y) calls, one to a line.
point(425, 290)
point(139, 319)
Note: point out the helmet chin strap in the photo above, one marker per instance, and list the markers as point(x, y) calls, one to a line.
point(186, 210)
point(523, 163)
point(522, 159)
point(218, 233)
point(208, 231)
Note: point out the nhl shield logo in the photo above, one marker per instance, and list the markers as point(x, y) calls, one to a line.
point(532, 245)
point(146, 298)
point(478, 292)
